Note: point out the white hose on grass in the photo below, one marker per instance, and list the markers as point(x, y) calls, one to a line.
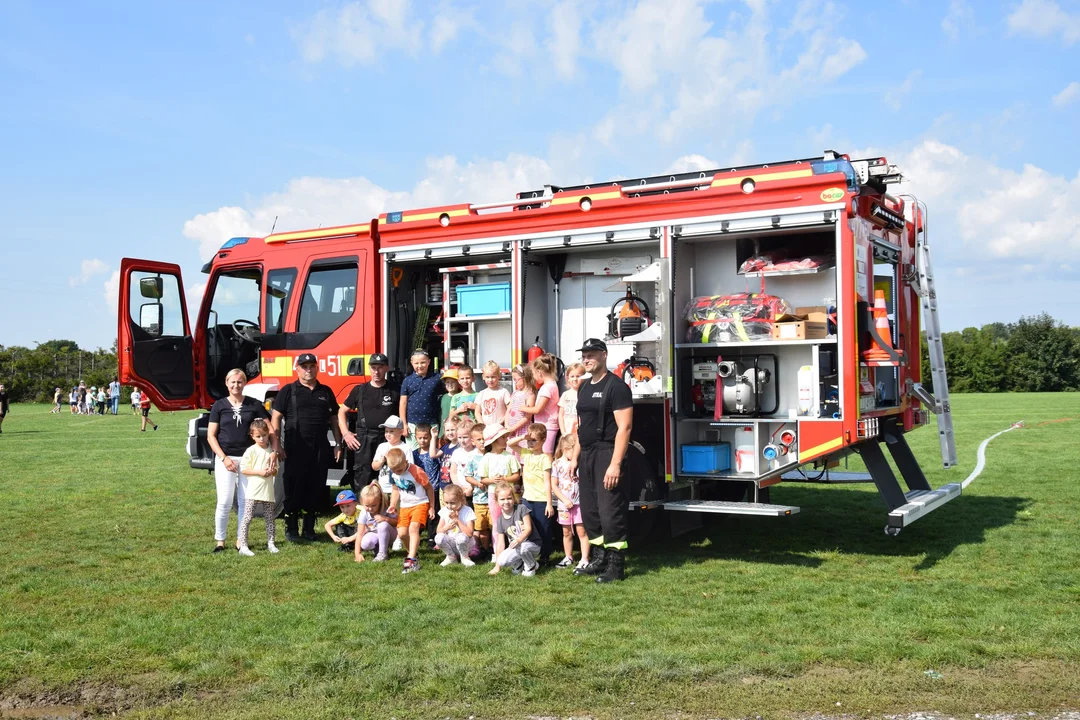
point(982, 455)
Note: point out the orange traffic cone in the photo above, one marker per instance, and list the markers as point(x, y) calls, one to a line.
point(881, 324)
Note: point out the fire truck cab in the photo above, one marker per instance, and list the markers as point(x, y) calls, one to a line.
point(775, 321)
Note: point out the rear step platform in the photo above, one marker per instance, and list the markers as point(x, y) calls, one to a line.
point(919, 503)
point(731, 508)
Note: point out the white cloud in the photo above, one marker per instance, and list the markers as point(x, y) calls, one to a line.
point(518, 46)
point(1045, 18)
point(895, 97)
point(692, 163)
point(112, 290)
point(565, 41)
point(323, 202)
point(446, 26)
point(1003, 214)
point(960, 16)
point(360, 32)
point(88, 269)
point(1066, 96)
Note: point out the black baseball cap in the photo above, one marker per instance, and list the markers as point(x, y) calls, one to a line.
point(378, 359)
point(593, 344)
point(306, 358)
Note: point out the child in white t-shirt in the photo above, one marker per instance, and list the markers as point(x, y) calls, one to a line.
point(412, 500)
point(376, 526)
point(454, 535)
point(255, 465)
point(492, 402)
point(394, 432)
point(463, 458)
point(568, 417)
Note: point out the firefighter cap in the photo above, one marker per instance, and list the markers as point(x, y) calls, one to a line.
point(378, 359)
point(306, 358)
point(593, 344)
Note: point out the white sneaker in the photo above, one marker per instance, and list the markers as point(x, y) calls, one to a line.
point(397, 545)
point(450, 560)
point(246, 551)
point(271, 547)
point(467, 561)
point(530, 571)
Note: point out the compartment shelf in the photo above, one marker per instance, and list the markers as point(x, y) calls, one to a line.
point(781, 273)
point(479, 318)
point(754, 343)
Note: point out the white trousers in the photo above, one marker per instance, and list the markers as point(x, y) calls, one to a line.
point(231, 493)
point(522, 555)
point(456, 544)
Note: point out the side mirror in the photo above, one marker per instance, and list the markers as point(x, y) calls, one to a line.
point(151, 318)
point(151, 287)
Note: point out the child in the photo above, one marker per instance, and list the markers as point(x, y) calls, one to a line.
point(536, 475)
point(445, 454)
point(522, 541)
point(453, 387)
point(376, 527)
point(462, 405)
point(420, 393)
point(455, 531)
point(426, 460)
point(491, 402)
point(517, 420)
point(463, 458)
point(255, 464)
point(394, 432)
point(412, 501)
point(546, 407)
point(479, 489)
point(568, 417)
point(144, 404)
point(498, 465)
point(567, 497)
point(101, 401)
point(347, 521)
point(136, 396)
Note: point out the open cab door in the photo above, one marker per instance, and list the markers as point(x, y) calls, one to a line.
point(155, 339)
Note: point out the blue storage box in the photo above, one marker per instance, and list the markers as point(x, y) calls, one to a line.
point(705, 457)
point(487, 299)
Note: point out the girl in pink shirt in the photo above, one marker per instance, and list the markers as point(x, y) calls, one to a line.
point(517, 420)
point(546, 409)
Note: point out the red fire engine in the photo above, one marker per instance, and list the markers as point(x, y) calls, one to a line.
point(766, 318)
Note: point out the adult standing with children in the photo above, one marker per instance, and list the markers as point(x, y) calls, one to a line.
point(229, 436)
point(605, 414)
point(303, 412)
point(373, 401)
point(114, 396)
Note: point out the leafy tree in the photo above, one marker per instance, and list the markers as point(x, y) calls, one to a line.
point(1042, 355)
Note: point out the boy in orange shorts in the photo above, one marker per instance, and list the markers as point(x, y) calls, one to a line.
point(414, 501)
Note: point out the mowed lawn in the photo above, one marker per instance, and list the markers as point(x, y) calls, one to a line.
point(110, 598)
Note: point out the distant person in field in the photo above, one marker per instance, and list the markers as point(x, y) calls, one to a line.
point(114, 396)
point(4, 407)
point(73, 400)
point(229, 436)
point(144, 405)
point(56, 401)
point(101, 400)
point(136, 396)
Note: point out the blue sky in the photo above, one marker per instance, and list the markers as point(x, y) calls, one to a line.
point(159, 130)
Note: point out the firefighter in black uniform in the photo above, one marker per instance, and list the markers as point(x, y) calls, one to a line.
point(309, 410)
point(605, 415)
point(373, 401)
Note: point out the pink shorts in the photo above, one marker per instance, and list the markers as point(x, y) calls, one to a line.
point(571, 516)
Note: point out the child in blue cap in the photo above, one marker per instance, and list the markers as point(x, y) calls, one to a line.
point(346, 522)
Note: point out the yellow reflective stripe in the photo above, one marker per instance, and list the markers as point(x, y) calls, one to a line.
point(736, 178)
point(597, 541)
point(616, 545)
point(819, 449)
point(592, 196)
point(415, 217)
point(277, 367)
point(321, 232)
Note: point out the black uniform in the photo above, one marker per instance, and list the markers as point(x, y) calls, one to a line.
point(308, 454)
point(603, 511)
point(373, 405)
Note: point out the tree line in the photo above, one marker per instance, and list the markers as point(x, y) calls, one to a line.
point(32, 374)
point(1033, 354)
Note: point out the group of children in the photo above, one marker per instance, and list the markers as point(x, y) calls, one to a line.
point(489, 486)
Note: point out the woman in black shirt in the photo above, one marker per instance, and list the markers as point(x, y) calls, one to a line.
point(228, 436)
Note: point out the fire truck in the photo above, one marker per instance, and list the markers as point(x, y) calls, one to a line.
point(766, 317)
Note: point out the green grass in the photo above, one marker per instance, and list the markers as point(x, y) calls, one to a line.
point(109, 597)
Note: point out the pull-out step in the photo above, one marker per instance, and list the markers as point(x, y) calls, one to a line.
point(731, 508)
point(835, 477)
point(919, 503)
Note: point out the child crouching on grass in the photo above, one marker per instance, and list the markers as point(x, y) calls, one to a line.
point(567, 497)
point(455, 531)
point(256, 465)
point(412, 500)
point(377, 527)
point(345, 527)
point(522, 540)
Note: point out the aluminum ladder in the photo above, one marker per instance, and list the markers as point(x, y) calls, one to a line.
point(923, 282)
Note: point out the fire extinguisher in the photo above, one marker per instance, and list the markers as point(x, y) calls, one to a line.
point(537, 350)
